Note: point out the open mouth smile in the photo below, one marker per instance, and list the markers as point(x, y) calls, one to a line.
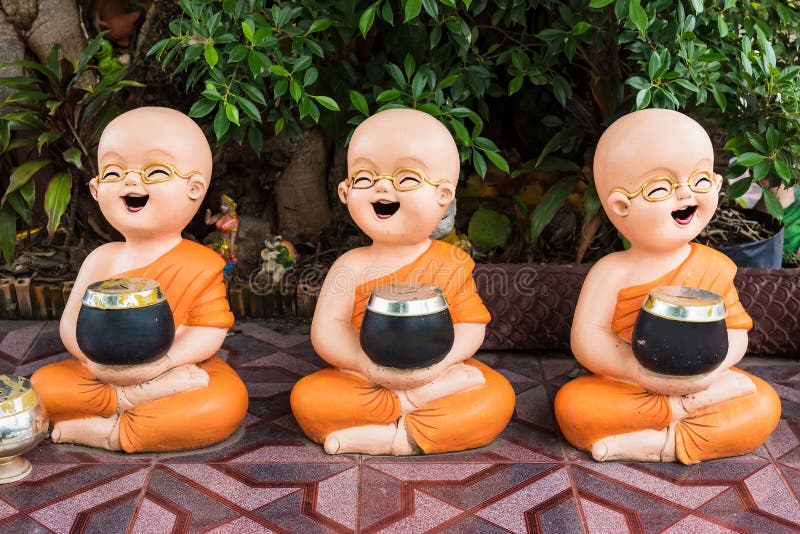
point(685, 215)
point(135, 202)
point(384, 209)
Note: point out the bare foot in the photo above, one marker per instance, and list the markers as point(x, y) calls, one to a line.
point(176, 380)
point(641, 446)
point(728, 385)
point(371, 439)
point(101, 432)
point(457, 378)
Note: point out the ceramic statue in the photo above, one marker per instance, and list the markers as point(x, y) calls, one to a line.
point(155, 168)
point(654, 174)
point(403, 167)
point(227, 224)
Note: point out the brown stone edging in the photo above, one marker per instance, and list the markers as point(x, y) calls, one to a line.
point(531, 304)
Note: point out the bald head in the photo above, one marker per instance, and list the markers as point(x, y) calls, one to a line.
point(405, 134)
point(163, 128)
point(647, 141)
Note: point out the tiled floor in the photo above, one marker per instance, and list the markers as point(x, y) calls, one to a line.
point(270, 478)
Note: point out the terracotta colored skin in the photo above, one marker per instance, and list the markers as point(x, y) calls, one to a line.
point(623, 411)
point(385, 142)
point(193, 397)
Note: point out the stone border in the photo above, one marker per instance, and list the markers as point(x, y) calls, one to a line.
point(531, 304)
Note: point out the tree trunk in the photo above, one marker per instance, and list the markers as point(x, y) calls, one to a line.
point(301, 191)
point(44, 23)
point(11, 49)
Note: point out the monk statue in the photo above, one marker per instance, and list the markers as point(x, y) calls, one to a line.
point(653, 172)
point(403, 168)
point(155, 168)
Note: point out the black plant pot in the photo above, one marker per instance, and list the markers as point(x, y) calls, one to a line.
point(764, 254)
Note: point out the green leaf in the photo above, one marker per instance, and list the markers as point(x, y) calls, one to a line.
point(653, 65)
point(279, 70)
point(773, 204)
point(249, 108)
point(719, 96)
point(28, 192)
point(489, 229)
point(773, 138)
point(367, 19)
point(21, 207)
point(498, 160)
point(8, 232)
point(597, 4)
point(295, 90)
point(256, 139)
point(73, 156)
point(722, 26)
point(638, 82)
point(739, 187)
point(311, 76)
point(221, 123)
point(479, 162)
point(418, 85)
point(211, 55)
point(279, 124)
point(232, 113)
point(56, 199)
point(359, 102)
point(412, 10)
point(761, 170)
point(783, 170)
point(409, 65)
point(643, 98)
point(448, 81)
point(749, 159)
point(389, 94)
point(253, 92)
point(697, 5)
point(319, 25)
point(638, 16)
point(550, 204)
point(22, 174)
point(515, 84)
point(580, 28)
point(248, 31)
point(326, 102)
point(46, 137)
point(462, 134)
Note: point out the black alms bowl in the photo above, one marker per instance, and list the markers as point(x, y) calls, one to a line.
point(681, 331)
point(125, 321)
point(407, 326)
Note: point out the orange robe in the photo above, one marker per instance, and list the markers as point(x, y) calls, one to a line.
point(592, 407)
point(331, 400)
point(190, 276)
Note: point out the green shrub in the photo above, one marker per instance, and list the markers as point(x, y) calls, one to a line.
point(49, 127)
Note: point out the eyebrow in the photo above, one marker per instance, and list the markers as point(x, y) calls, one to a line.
point(151, 156)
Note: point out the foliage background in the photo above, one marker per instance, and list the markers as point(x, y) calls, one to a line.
point(525, 86)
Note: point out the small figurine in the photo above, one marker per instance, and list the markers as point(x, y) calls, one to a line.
point(227, 224)
point(155, 168)
point(654, 174)
point(403, 169)
point(446, 231)
point(111, 15)
point(278, 256)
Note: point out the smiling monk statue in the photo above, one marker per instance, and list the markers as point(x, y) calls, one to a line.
point(403, 168)
point(653, 172)
point(155, 167)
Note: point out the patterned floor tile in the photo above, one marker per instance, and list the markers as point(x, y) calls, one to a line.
point(269, 478)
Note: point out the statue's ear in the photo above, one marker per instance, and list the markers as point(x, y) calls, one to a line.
point(445, 193)
point(619, 203)
point(93, 187)
point(342, 190)
point(718, 181)
point(196, 187)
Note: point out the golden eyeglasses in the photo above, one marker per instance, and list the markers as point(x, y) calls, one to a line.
point(151, 174)
point(661, 188)
point(403, 179)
